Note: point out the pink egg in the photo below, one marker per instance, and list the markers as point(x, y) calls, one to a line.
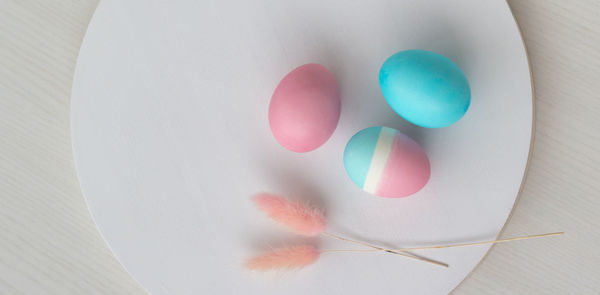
point(305, 108)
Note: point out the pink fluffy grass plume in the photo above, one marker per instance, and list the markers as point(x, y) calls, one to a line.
point(284, 258)
point(297, 216)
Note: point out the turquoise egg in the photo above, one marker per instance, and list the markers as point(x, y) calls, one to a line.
point(425, 88)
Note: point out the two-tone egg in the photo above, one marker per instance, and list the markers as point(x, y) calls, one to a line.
point(385, 162)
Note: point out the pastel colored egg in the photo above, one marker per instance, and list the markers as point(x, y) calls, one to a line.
point(384, 162)
point(425, 88)
point(305, 108)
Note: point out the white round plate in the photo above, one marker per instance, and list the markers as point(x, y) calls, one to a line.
point(170, 133)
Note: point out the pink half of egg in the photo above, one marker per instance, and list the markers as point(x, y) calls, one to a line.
point(305, 108)
point(406, 170)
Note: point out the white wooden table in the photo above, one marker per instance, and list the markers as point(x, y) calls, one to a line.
point(49, 244)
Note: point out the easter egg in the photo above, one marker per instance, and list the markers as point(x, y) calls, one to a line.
point(425, 88)
point(305, 108)
point(384, 162)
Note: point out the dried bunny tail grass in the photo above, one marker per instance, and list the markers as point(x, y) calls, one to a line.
point(284, 258)
point(297, 216)
point(306, 220)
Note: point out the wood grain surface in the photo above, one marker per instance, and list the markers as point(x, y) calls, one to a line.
point(49, 244)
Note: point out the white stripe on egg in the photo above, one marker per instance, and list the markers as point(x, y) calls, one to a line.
point(380, 156)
